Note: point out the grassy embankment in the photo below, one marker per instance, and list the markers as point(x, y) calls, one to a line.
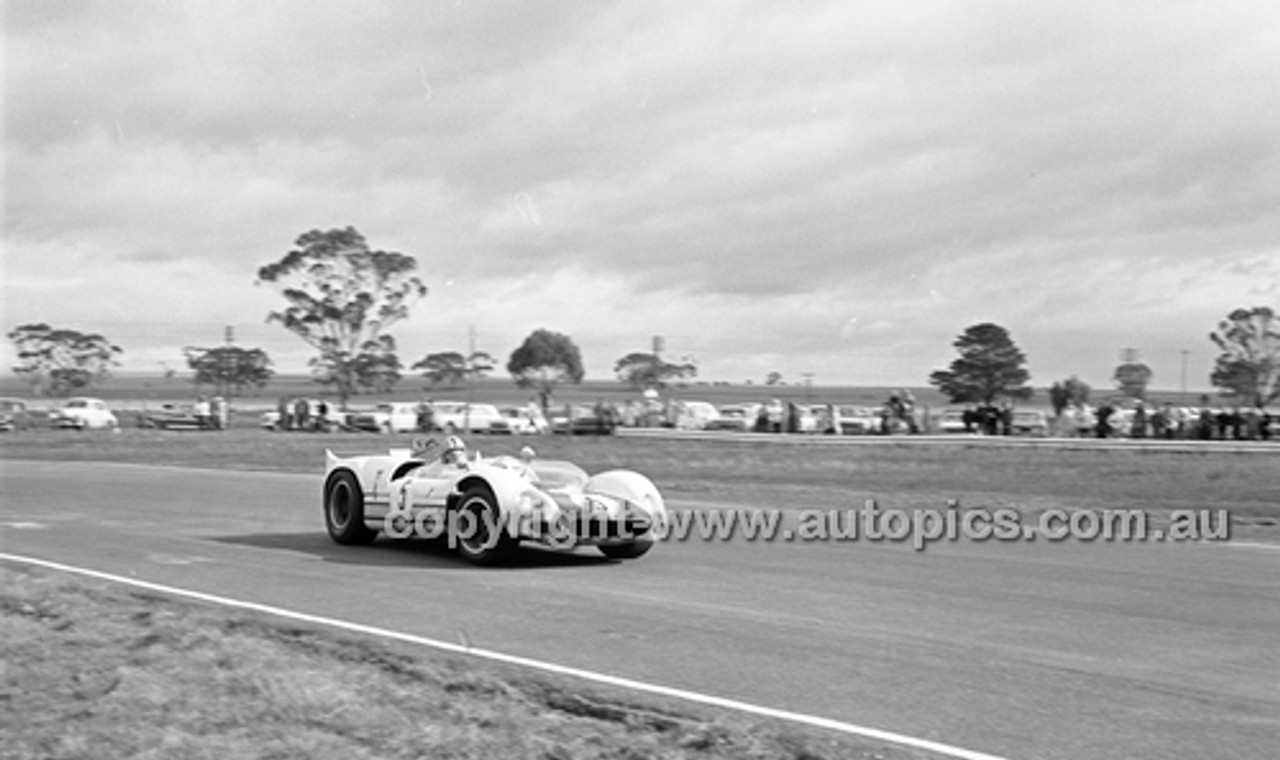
point(96, 671)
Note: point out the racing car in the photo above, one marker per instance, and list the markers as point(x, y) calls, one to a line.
point(485, 507)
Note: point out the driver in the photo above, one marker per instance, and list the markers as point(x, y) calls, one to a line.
point(455, 451)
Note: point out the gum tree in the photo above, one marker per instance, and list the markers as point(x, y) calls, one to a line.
point(545, 360)
point(1249, 365)
point(229, 367)
point(341, 297)
point(59, 361)
point(641, 370)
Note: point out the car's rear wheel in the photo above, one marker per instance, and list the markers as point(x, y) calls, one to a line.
point(480, 535)
point(344, 510)
point(629, 550)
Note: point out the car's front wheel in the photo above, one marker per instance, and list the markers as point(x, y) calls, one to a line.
point(344, 510)
point(479, 532)
point(629, 550)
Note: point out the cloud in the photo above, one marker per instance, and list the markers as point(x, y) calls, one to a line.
point(745, 179)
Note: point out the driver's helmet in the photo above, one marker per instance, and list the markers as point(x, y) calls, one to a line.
point(455, 451)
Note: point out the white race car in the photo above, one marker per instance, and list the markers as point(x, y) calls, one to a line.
point(484, 507)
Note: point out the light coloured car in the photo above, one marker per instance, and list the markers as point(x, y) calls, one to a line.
point(951, 421)
point(387, 417)
point(83, 413)
point(738, 417)
point(485, 507)
point(527, 420)
point(459, 416)
point(695, 415)
point(856, 420)
point(1031, 422)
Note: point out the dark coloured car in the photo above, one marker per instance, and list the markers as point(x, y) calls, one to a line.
point(584, 419)
point(14, 414)
point(170, 417)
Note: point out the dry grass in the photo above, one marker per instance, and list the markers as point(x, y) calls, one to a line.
point(94, 671)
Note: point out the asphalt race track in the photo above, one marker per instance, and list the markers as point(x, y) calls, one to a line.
point(1070, 650)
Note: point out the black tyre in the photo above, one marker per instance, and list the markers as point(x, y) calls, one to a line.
point(479, 532)
point(629, 550)
point(344, 510)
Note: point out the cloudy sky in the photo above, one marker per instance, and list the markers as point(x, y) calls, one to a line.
point(829, 187)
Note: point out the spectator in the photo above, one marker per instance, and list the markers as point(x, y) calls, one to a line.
point(1103, 428)
point(1006, 417)
point(202, 413)
point(1138, 427)
point(1162, 422)
point(775, 413)
point(301, 414)
point(1205, 429)
point(283, 413)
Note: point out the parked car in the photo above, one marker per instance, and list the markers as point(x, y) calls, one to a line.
point(526, 420)
point(171, 417)
point(83, 413)
point(459, 416)
point(952, 421)
point(387, 417)
point(857, 420)
point(695, 415)
point(738, 417)
point(14, 414)
point(583, 419)
point(1030, 422)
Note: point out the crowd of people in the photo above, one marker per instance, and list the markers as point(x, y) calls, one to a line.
point(303, 414)
point(1165, 421)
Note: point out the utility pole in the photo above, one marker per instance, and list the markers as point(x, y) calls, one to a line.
point(466, 376)
point(1184, 353)
point(224, 377)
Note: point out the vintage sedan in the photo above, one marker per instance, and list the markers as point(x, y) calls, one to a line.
point(526, 420)
point(83, 413)
point(1032, 422)
point(739, 417)
point(856, 420)
point(172, 417)
point(485, 507)
point(14, 414)
point(387, 417)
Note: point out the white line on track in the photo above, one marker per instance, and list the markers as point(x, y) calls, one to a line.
point(587, 675)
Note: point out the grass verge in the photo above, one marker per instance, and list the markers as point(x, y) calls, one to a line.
point(761, 473)
point(93, 670)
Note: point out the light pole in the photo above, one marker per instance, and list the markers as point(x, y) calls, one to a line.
point(1184, 353)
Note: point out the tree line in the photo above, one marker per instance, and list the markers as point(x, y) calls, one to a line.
point(341, 297)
